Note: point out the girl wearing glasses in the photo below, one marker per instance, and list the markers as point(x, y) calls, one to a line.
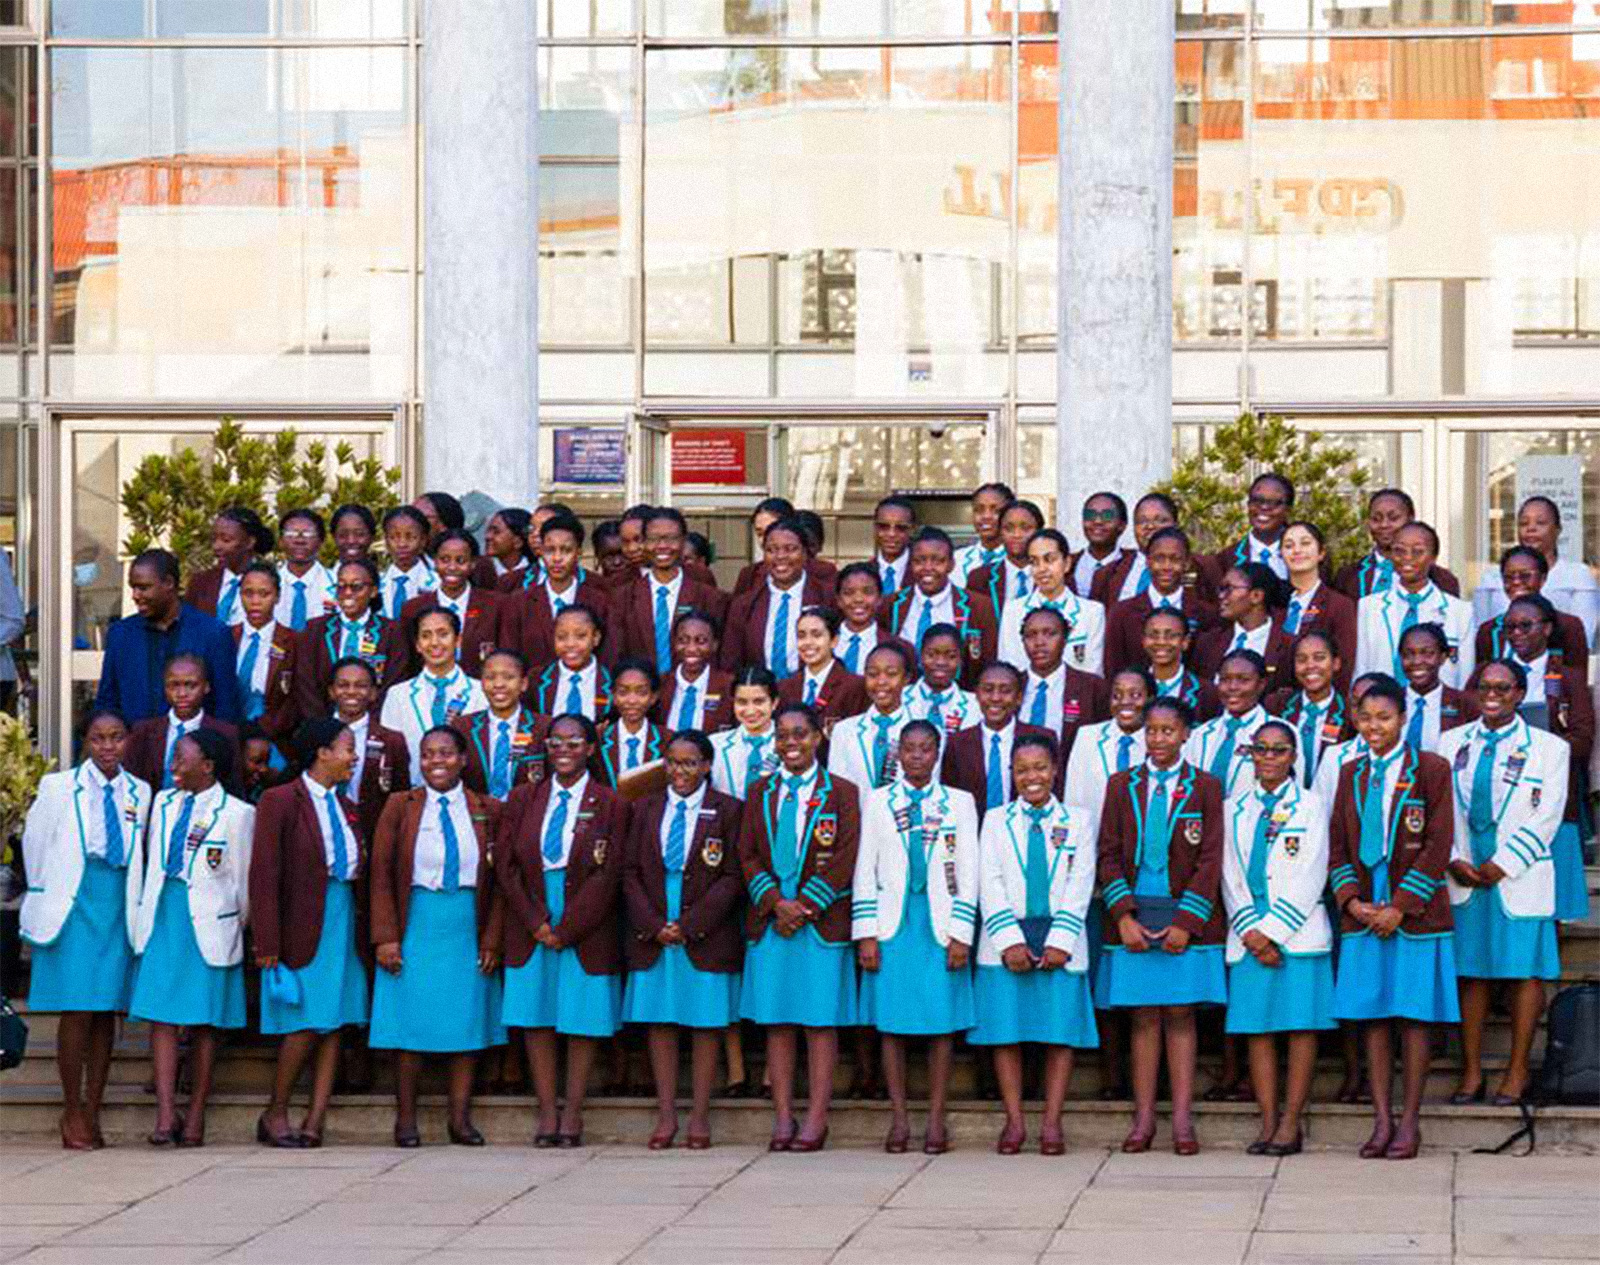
point(1165, 639)
point(358, 628)
point(1280, 971)
point(1250, 607)
point(1168, 585)
point(306, 587)
point(1267, 507)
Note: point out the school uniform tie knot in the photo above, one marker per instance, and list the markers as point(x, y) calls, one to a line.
point(1222, 762)
point(689, 707)
point(441, 687)
point(116, 851)
point(811, 691)
point(555, 828)
point(1374, 836)
point(401, 583)
point(633, 752)
point(1239, 639)
point(574, 695)
point(1310, 718)
point(753, 761)
point(936, 705)
point(852, 654)
point(1022, 584)
point(1265, 556)
point(1291, 621)
point(1419, 713)
point(1124, 752)
point(994, 791)
point(880, 749)
point(297, 608)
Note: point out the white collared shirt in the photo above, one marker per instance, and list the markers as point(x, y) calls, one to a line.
point(358, 731)
point(639, 755)
point(457, 605)
point(229, 584)
point(691, 815)
point(867, 641)
point(812, 683)
point(324, 802)
point(1255, 639)
point(696, 719)
point(427, 865)
point(1137, 571)
point(408, 707)
point(91, 812)
point(1053, 687)
point(943, 606)
point(1536, 670)
point(1010, 573)
point(177, 729)
point(569, 828)
point(319, 584)
point(1301, 602)
point(1432, 705)
point(587, 678)
point(565, 598)
point(258, 673)
point(1088, 566)
point(796, 593)
point(986, 737)
point(729, 769)
point(422, 578)
point(897, 568)
point(1271, 554)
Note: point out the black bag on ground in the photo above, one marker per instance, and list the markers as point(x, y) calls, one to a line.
point(1571, 1070)
point(13, 1037)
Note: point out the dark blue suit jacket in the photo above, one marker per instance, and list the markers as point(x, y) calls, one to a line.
point(137, 654)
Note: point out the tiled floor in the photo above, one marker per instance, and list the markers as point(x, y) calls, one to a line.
point(740, 1206)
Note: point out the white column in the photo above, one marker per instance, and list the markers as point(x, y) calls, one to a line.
point(1114, 408)
point(480, 217)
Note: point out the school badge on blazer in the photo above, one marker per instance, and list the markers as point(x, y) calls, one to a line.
point(1058, 837)
point(1291, 845)
point(711, 854)
point(827, 828)
point(599, 851)
point(213, 855)
point(1415, 820)
point(1191, 832)
point(1536, 793)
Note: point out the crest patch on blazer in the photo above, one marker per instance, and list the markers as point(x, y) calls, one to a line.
point(1415, 819)
point(711, 854)
point(1191, 831)
point(599, 851)
point(213, 855)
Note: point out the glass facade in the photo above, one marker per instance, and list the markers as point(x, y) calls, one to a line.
point(814, 238)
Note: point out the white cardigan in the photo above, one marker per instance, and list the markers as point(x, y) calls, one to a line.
point(1071, 833)
point(883, 863)
point(216, 866)
point(1297, 871)
point(54, 847)
point(1378, 620)
point(1530, 811)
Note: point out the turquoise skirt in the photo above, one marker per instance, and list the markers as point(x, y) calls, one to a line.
point(1049, 1007)
point(1490, 944)
point(1402, 977)
point(1196, 977)
point(803, 979)
point(89, 965)
point(674, 990)
point(333, 985)
point(173, 983)
point(1572, 887)
point(913, 992)
point(1296, 996)
point(440, 1002)
point(552, 990)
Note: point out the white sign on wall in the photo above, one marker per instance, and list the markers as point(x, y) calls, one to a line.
point(1561, 479)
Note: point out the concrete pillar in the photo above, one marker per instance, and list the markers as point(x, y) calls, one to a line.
point(480, 217)
point(1114, 407)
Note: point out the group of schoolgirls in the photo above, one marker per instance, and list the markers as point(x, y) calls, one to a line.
point(937, 756)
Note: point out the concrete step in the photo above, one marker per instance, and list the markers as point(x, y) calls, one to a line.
point(31, 1114)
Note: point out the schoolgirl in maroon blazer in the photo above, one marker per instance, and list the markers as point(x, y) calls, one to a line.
point(684, 894)
point(382, 759)
point(150, 741)
point(307, 916)
point(1070, 698)
point(1318, 713)
point(1169, 566)
point(823, 682)
point(1248, 609)
point(505, 743)
point(1010, 577)
point(238, 538)
point(265, 663)
point(528, 615)
point(359, 628)
point(745, 642)
point(507, 553)
point(1166, 641)
point(454, 555)
point(696, 694)
point(1314, 605)
point(559, 857)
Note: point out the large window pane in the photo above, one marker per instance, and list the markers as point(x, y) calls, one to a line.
point(585, 96)
point(1436, 199)
point(804, 18)
point(583, 286)
point(232, 222)
point(574, 19)
point(176, 19)
point(1356, 15)
point(876, 179)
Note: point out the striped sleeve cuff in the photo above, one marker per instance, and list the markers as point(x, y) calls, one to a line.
point(998, 921)
point(820, 892)
point(1419, 885)
point(760, 885)
point(963, 913)
point(1066, 920)
point(1527, 847)
point(1244, 918)
point(1342, 876)
point(1117, 891)
point(1288, 914)
point(1196, 906)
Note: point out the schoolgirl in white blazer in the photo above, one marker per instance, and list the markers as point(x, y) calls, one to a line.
point(915, 904)
point(441, 692)
point(1509, 784)
point(1280, 943)
point(1221, 746)
point(742, 756)
point(188, 904)
point(83, 830)
point(1383, 618)
point(1110, 746)
point(1037, 873)
point(864, 749)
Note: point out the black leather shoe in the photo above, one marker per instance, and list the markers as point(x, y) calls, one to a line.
point(407, 1139)
point(465, 1137)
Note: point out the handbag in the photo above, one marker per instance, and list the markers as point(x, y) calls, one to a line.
point(283, 986)
point(13, 1037)
point(1155, 913)
point(1034, 932)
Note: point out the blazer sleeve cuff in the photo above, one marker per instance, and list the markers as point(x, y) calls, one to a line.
point(763, 886)
point(1198, 907)
point(963, 920)
point(820, 893)
point(1413, 893)
point(1003, 930)
point(1520, 852)
point(1183, 918)
point(864, 920)
point(1119, 898)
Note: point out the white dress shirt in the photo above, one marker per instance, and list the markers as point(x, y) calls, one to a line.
point(696, 719)
point(258, 673)
point(422, 578)
point(588, 680)
point(565, 598)
point(1255, 639)
point(358, 731)
point(691, 815)
point(1272, 555)
point(866, 641)
point(1137, 570)
point(796, 593)
point(1432, 705)
point(319, 584)
point(1088, 566)
point(957, 710)
point(427, 863)
point(1053, 687)
point(943, 611)
point(91, 817)
point(1007, 736)
point(898, 568)
point(322, 800)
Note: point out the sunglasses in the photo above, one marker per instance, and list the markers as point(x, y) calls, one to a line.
point(1101, 516)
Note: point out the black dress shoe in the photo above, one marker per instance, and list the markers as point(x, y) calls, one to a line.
point(1261, 1146)
point(288, 1140)
point(546, 1141)
point(1280, 1149)
point(465, 1137)
point(1459, 1099)
point(407, 1139)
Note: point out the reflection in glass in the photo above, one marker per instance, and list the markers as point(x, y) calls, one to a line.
point(584, 96)
point(1358, 15)
point(232, 222)
point(583, 287)
point(176, 19)
point(574, 19)
point(800, 19)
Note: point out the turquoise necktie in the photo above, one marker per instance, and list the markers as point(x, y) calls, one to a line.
point(451, 880)
point(1124, 752)
point(925, 622)
point(752, 760)
point(556, 827)
point(1308, 742)
point(786, 847)
point(297, 609)
point(1222, 762)
point(1291, 621)
point(175, 731)
point(780, 638)
point(994, 790)
point(1143, 585)
point(916, 844)
point(663, 630)
point(889, 584)
point(500, 770)
point(255, 700)
point(178, 838)
point(1157, 832)
point(1481, 821)
point(1239, 640)
point(633, 754)
point(936, 704)
point(1412, 618)
point(399, 598)
point(1022, 584)
point(1419, 711)
point(351, 643)
point(1256, 871)
point(225, 606)
point(574, 696)
point(811, 691)
point(677, 836)
point(1041, 700)
point(880, 749)
point(1374, 831)
point(116, 851)
point(440, 686)
point(688, 707)
point(852, 654)
point(1037, 900)
point(341, 852)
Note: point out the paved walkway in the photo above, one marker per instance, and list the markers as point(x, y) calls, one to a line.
point(735, 1205)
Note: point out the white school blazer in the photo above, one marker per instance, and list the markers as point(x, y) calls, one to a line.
point(1093, 762)
point(1326, 782)
point(408, 710)
point(1529, 808)
point(883, 863)
point(54, 844)
point(1070, 834)
point(1207, 740)
point(850, 747)
point(216, 865)
point(1297, 871)
point(1378, 620)
point(1086, 631)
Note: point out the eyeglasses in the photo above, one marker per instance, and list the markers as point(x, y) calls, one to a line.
point(1267, 502)
point(1523, 625)
point(1271, 749)
point(1498, 687)
point(1101, 516)
point(565, 744)
point(352, 586)
point(299, 534)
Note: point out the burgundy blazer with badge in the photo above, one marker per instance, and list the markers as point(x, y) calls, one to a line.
point(394, 853)
point(608, 755)
point(744, 633)
point(318, 649)
point(282, 711)
point(1194, 856)
point(716, 700)
point(592, 923)
point(527, 624)
point(989, 581)
point(843, 694)
point(975, 621)
point(830, 835)
point(145, 756)
point(753, 574)
point(1085, 700)
point(1491, 642)
point(289, 874)
point(631, 627)
point(1108, 578)
point(1213, 646)
point(480, 631)
point(1357, 580)
point(713, 885)
point(965, 765)
point(1421, 831)
point(481, 730)
point(1125, 628)
point(385, 769)
point(1333, 613)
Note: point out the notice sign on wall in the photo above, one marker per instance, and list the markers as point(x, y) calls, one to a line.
point(708, 456)
point(585, 454)
point(1560, 477)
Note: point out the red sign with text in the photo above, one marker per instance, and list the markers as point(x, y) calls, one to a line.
point(708, 456)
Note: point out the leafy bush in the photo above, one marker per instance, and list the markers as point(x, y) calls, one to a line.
point(171, 500)
point(21, 768)
point(1331, 484)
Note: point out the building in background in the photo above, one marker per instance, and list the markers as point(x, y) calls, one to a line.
point(805, 247)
